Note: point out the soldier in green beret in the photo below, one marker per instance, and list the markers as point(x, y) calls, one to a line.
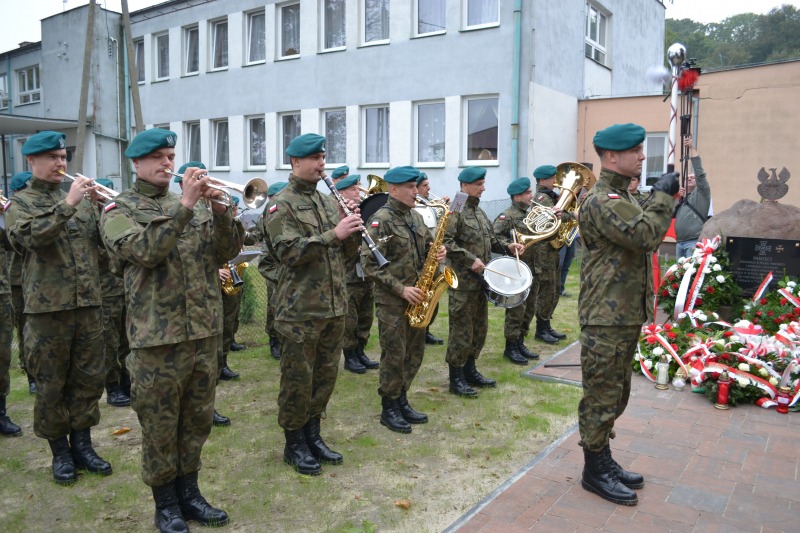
point(616, 299)
point(310, 235)
point(340, 173)
point(268, 268)
point(470, 241)
point(7, 427)
point(169, 249)
point(57, 234)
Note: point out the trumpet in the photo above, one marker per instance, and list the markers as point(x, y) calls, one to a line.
point(254, 192)
point(104, 192)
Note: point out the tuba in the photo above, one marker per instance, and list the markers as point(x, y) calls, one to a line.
point(234, 284)
point(542, 222)
point(375, 185)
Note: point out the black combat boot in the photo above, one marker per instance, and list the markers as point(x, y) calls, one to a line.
point(391, 417)
point(225, 373)
point(317, 446)
point(220, 420)
point(275, 347)
point(31, 383)
point(512, 353)
point(351, 362)
point(168, 515)
point(524, 351)
point(408, 413)
point(236, 347)
point(365, 361)
point(600, 479)
point(632, 480)
point(84, 455)
point(63, 464)
point(458, 386)
point(116, 397)
point(297, 454)
point(542, 333)
point(194, 506)
point(7, 427)
point(430, 339)
point(125, 383)
point(475, 378)
point(552, 332)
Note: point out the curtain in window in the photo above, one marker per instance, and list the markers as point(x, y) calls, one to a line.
point(221, 144)
point(334, 23)
point(192, 50)
point(290, 125)
point(481, 12)
point(376, 20)
point(258, 142)
point(430, 15)
point(257, 38)
point(140, 60)
point(482, 130)
point(336, 136)
point(290, 30)
point(163, 56)
point(193, 142)
point(430, 132)
point(377, 135)
point(220, 45)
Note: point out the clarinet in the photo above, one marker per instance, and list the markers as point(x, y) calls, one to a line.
point(382, 262)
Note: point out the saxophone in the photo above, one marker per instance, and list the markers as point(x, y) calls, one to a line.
point(233, 285)
point(419, 315)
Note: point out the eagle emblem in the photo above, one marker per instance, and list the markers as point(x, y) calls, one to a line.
point(773, 187)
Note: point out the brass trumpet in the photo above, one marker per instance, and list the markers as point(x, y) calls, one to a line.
point(104, 192)
point(254, 192)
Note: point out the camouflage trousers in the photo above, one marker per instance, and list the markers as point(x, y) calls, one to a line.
point(518, 319)
point(310, 354)
point(172, 392)
point(270, 325)
point(360, 310)
point(402, 350)
point(230, 323)
point(6, 334)
point(115, 338)
point(545, 292)
point(18, 301)
point(65, 356)
point(606, 357)
point(469, 323)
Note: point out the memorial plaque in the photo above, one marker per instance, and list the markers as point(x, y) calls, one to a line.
point(752, 259)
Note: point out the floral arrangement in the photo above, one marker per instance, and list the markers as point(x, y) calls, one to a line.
point(775, 308)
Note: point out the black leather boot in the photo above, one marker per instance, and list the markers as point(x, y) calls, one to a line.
point(220, 420)
point(7, 427)
point(194, 506)
point(368, 363)
point(275, 347)
point(168, 517)
point(351, 362)
point(632, 480)
point(236, 347)
point(31, 383)
point(542, 334)
point(225, 373)
point(512, 353)
point(430, 339)
point(297, 454)
point(475, 378)
point(63, 464)
point(391, 417)
point(458, 385)
point(115, 397)
point(408, 413)
point(317, 446)
point(84, 455)
point(524, 351)
point(600, 479)
point(552, 332)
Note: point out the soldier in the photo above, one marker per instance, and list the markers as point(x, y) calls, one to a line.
point(311, 236)
point(231, 304)
point(470, 241)
point(424, 191)
point(268, 267)
point(64, 322)
point(340, 173)
point(518, 318)
point(169, 249)
point(360, 298)
point(7, 427)
point(616, 298)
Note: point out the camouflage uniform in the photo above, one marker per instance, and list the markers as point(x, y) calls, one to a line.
point(231, 303)
point(170, 257)
point(268, 267)
point(545, 289)
point(616, 296)
point(15, 261)
point(360, 306)
point(6, 320)
point(64, 328)
point(116, 347)
point(310, 298)
point(469, 236)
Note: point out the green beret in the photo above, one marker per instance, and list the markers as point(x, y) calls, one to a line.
point(19, 181)
point(399, 175)
point(149, 141)
point(44, 141)
point(276, 187)
point(518, 186)
point(235, 200)
point(545, 171)
point(619, 137)
point(422, 177)
point(349, 181)
point(305, 145)
point(105, 182)
point(339, 172)
point(472, 174)
point(184, 166)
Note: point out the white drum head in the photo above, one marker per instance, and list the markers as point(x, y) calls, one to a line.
point(509, 281)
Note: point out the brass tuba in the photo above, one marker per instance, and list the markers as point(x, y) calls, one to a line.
point(542, 222)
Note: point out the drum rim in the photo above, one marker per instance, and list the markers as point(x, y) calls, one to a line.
point(523, 268)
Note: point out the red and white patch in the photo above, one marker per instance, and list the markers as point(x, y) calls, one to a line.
point(502, 217)
point(110, 206)
point(375, 224)
point(6, 205)
point(613, 196)
point(273, 208)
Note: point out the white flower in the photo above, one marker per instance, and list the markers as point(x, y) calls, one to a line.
point(712, 260)
point(687, 265)
point(706, 270)
point(734, 338)
point(637, 356)
point(747, 307)
point(773, 381)
point(720, 279)
point(681, 316)
point(791, 284)
point(716, 268)
point(702, 317)
point(658, 350)
point(743, 382)
point(763, 372)
point(681, 260)
point(648, 363)
point(744, 367)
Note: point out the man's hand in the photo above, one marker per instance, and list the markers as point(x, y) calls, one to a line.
point(441, 253)
point(82, 186)
point(516, 248)
point(224, 274)
point(194, 187)
point(477, 266)
point(687, 142)
point(347, 226)
point(668, 183)
point(412, 295)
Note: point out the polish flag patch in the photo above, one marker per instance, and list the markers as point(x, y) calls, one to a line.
point(273, 208)
point(6, 205)
point(613, 196)
point(375, 224)
point(502, 217)
point(109, 207)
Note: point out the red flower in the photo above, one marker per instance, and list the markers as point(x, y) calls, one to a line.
point(797, 311)
point(668, 327)
point(674, 285)
point(763, 301)
point(698, 302)
point(665, 292)
point(770, 313)
point(783, 301)
point(777, 320)
point(674, 346)
point(672, 335)
point(727, 334)
point(651, 339)
point(724, 356)
point(710, 290)
point(758, 313)
point(715, 375)
point(755, 320)
point(690, 335)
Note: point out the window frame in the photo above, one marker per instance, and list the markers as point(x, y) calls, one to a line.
point(139, 60)
point(279, 33)
point(213, 27)
point(31, 96)
point(188, 127)
point(249, 126)
point(417, 161)
point(592, 44)
point(416, 32)
point(329, 161)
point(186, 45)
point(651, 137)
point(495, 161)
point(465, 25)
point(364, 130)
point(157, 75)
point(215, 124)
point(283, 160)
point(323, 28)
point(250, 15)
point(363, 26)
point(5, 97)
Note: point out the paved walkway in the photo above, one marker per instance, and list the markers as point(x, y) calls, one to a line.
point(705, 470)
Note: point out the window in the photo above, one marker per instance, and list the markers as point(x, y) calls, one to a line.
point(219, 130)
point(333, 20)
point(192, 131)
point(376, 134)
point(336, 136)
point(191, 50)
point(289, 30)
point(290, 128)
point(376, 20)
point(430, 132)
point(596, 31)
point(481, 138)
point(138, 53)
point(30, 91)
point(256, 37)
point(257, 141)
point(219, 44)
point(162, 56)
point(4, 99)
point(482, 12)
point(655, 150)
point(430, 16)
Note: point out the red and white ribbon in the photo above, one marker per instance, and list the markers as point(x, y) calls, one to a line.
point(795, 301)
point(763, 287)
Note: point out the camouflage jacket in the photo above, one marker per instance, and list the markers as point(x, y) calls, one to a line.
point(512, 218)
point(403, 238)
point(469, 236)
point(60, 244)
point(311, 275)
point(111, 283)
point(618, 237)
point(169, 257)
point(268, 263)
point(545, 256)
point(15, 260)
point(5, 255)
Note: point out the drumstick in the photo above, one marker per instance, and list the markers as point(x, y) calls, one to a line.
point(498, 273)
point(516, 253)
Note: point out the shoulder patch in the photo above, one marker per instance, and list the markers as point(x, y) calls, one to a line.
point(118, 227)
point(109, 207)
point(627, 212)
point(502, 217)
point(273, 208)
point(613, 196)
point(375, 224)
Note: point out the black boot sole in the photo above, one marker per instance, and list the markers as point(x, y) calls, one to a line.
point(396, 429)
point(65, 482)
point(521, 362)
point(300, 471)
point(465, 394)
point(12, 435)
point(634, 485)
point(552, 341)
point(356, 371)
point(83, 467)
point(588, 487)
point(482, 385)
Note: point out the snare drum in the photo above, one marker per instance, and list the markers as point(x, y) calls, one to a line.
point(428, 215)
point(512, 288)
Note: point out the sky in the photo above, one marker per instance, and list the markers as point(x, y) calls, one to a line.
point(20, 18)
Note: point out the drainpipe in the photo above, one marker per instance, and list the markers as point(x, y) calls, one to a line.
point(515, 90)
